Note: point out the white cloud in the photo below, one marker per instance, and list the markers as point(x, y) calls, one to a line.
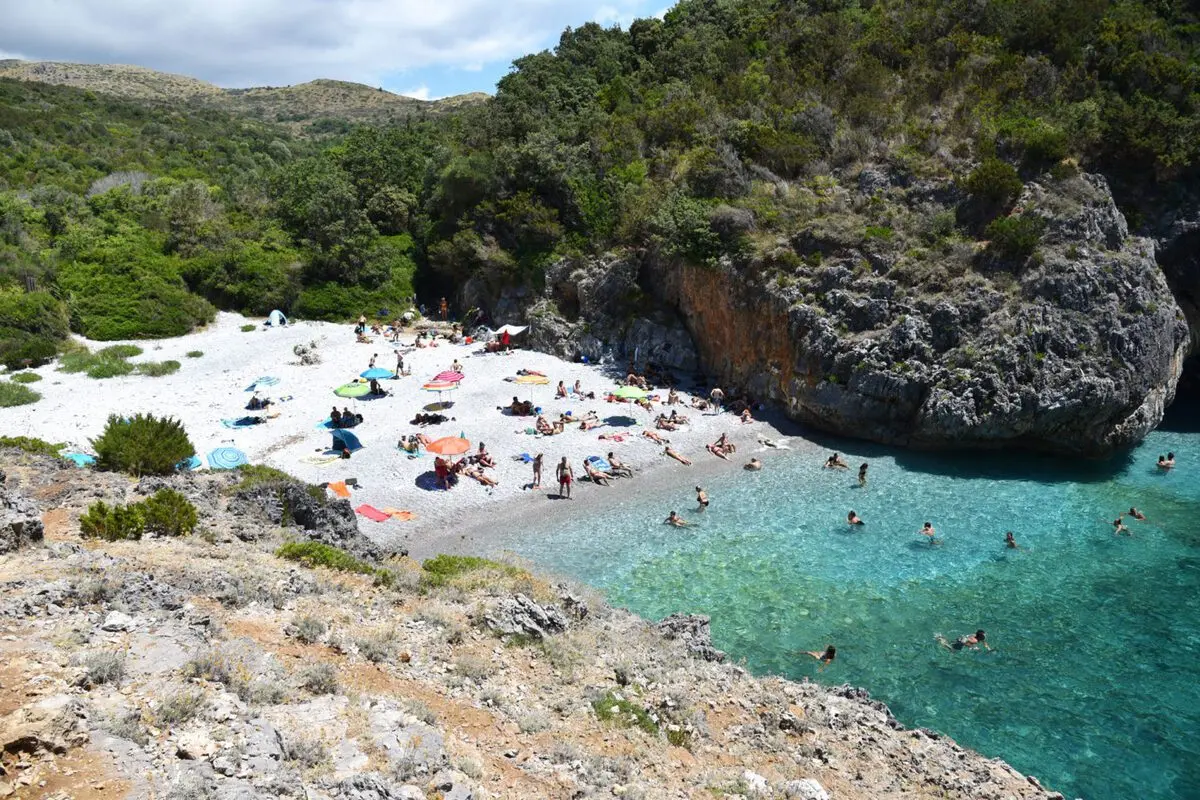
point(276, 42)
point(419, 93)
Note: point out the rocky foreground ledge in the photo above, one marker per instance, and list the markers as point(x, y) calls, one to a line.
point(208, 667)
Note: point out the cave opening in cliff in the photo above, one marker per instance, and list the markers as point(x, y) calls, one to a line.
point(1184, 414)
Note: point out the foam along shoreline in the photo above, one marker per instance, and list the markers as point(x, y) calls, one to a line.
point(213, 387)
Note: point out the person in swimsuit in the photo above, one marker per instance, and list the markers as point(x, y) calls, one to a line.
point(675, 520)
point(702, 498)
point(862, 475)
point(537, 472)
point(835, 462)
point(1009, 541)
point(681, 459)
point(853, 519)
point(1133, 512)
point(972, 641)
point(1167, 461)
point(753, 465)
point(930, 532)
point(1119, 526)
point(565, 476)
point(825, 656)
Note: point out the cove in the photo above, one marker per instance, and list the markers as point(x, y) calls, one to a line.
point(1094, 683)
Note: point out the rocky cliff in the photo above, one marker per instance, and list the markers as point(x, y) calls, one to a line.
point(209, 667)
point(874, 323)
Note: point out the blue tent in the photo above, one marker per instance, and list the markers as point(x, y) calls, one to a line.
point(345, 440)
point(81, 459)
point(277, 319)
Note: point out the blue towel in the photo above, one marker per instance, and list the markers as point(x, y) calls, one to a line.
point(528, 459)
point(244, 422)
point(81, 459)
point(600, 463)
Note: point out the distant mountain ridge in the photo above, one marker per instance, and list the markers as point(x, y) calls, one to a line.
point(294, 106)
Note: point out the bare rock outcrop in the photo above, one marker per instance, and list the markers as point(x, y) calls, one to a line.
point(20, 520)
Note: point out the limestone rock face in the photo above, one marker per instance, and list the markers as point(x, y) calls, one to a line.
point(20, 520)
point(598, 309)
point(695, 633)
point(1079, 351)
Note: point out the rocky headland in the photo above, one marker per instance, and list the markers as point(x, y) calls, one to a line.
point(207, 666)
point(873, 322)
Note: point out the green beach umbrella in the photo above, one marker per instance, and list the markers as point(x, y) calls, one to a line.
point(631, 393)
point(352, 390)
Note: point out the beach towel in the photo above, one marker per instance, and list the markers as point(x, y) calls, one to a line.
point(524, 457)
point(599, 463)
point(242, 422)
point(371, 512)
point(396, 513)
point(320, 461)
point(80, 460)
point(340, 489)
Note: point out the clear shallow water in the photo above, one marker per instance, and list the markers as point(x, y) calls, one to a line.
point(1094, 685)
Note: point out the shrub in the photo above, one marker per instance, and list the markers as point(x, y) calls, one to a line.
point(156, 369)
point(212, 665)
point(32, 325)
point(142, 445)
point(473, 667)
point(439, 571)
point(376, 649)
point(614, 708)
point(169, 513)
point(14, 394)
point(307, 753)
point(319, 679)
point(994, 182)
point(309, 629)
point(247, 328)
point(1015, 238)
point(30, 445)
point(119, 351)
point(195, 353)
point(178, 708)
point(316, 554)
point(26, 377)
point(113, 523)
point(255, 475)
point(104, 666)
point(109, 362)
point(19, 349)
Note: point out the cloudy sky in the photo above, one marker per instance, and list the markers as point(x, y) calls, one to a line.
point(424, 48)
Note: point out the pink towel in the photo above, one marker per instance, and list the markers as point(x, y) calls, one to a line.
point(371, 512)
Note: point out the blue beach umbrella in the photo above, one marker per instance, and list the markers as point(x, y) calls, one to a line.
point(227, 458)
point(377, 373)
point(190, 463)
point(262, 382)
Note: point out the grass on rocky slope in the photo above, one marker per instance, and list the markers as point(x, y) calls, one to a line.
point(443, 570)
point(317, 554)
point(14, 394)
point(30, 445)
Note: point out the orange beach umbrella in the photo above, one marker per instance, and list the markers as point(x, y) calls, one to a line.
point(448, 446)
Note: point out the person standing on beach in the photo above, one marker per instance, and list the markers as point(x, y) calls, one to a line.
point(399, 363)
point(371, 364)
point(565, 476)
point(537, 472)
point(717, 396)
point(443, 308)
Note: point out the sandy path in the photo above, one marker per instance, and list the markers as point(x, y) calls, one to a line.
point(207, 389)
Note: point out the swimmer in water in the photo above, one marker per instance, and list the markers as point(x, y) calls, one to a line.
point(1133, 512)
point(930, 532)
point(1009, 541)
point(971, 642)
point(702, 498)
point(835, 462)
point(825, 656)
point(676, 520)
point(862, 475)
point(1119, 526)
point(754, 465)
point(853, 519)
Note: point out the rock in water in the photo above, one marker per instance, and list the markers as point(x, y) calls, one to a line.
point(693, 630)
point(518, 615)
point(20, 521)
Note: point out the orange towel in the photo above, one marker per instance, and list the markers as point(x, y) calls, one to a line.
point(340, 489)
point(403, 516)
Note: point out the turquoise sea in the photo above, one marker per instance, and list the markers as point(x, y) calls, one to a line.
point(1094, 683)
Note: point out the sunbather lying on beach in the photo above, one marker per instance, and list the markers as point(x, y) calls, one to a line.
point(664, 424)
point(596, 475)
point(654, 437)
point(681, 459)
point(716, 451)
point(481, 476)
point(699, 404)
point(727, 447)
point(544, 427)
point(589, 421)
point(408, 444)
